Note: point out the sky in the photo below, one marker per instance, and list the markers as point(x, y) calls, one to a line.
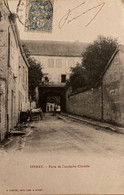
point(92, 18)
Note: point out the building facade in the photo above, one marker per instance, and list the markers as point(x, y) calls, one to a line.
point(57, 69)
point(56, 59)
point(13, 74)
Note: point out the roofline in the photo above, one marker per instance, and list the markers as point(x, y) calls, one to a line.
point(56, 55)
point(110, 61)
point(81, 46)
point(13, 24)
point(18, 41)
point(47, 41)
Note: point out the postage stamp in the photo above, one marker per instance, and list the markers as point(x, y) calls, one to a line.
point(39, 15)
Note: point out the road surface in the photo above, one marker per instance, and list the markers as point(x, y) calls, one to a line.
point(62, 156)
point(63, 135)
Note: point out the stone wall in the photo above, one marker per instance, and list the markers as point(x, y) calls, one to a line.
point(113, 90)
point(88, 103)
point(105, 103)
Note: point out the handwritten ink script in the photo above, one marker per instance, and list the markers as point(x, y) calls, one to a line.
point(71, 15)
point(68, 18)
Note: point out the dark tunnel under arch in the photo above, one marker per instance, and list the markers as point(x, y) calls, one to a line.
point(45, 92)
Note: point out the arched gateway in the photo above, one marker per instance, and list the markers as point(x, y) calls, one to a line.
point(56, 58)
point(51, 95)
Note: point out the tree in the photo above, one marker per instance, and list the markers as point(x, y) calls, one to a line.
point(77, 78)
point(88, 74)
point(96, 57)
point(34, 73)
point(34, 76)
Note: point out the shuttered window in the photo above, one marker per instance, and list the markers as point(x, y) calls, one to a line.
point(51, 63)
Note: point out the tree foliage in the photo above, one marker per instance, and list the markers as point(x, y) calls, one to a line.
point(34, 76)
point(96, 57)
point(34, 73)
point(94, 60)
point(77, 78)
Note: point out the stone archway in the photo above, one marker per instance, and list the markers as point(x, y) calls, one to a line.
point(47, 92)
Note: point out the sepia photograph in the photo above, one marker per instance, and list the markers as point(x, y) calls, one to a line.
point(61, 97)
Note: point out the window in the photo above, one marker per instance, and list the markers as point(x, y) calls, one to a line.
point(63, 78)
point(12, 50)
point(12, 55)
point(25, 99)
point(0, 107)
point(51, 63)
point(58, 63)
point(23, 76)
point(0, 16)
point(70, 63)
point(46, 79)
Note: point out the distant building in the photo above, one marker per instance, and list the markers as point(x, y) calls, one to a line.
point(56, 59)
point(13, 73)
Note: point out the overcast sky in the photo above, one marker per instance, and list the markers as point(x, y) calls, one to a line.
point(108, 22)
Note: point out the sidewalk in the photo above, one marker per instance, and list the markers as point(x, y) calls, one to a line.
point(96, 123)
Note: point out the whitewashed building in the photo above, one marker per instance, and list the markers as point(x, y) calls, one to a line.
point(56, 58)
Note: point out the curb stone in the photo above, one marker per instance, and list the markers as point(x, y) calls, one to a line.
point(107, 126)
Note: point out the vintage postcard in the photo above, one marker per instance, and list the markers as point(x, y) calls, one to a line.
point(61, 97)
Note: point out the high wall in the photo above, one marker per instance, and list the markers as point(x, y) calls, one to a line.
point(88, 103)
point(107, 102)
point(113, 90)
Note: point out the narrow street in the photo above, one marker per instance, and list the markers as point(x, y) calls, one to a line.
point(60, 156)
point(61, 97)
point(63, 135)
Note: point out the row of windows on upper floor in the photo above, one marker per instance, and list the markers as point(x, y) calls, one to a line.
point(58, 63)
point(48, 78)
